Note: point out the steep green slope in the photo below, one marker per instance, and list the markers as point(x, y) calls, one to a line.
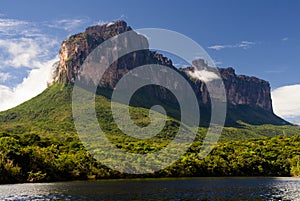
point(47, 115)
point(38, 142)
point(50, 115)
point(253, 116)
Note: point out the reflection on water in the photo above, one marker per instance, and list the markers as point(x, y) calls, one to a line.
point(159, 189)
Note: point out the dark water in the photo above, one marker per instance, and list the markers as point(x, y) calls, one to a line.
point(159, 189)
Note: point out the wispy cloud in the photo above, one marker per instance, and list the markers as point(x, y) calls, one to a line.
point(31, 86)
point(286, 101)
point(218, 62)
point(285, 39)
point(4, 76)
point(26, 52)
point(33, 47)
point(101, 22)
point(68, 24)
point(11, 23)
point(296, 121)
point(24, 45)
point(181, 65)
point(203, 75)
point(218, 47)
point(12, 27)
point(243, 44)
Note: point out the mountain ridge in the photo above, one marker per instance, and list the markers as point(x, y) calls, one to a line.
point(249, 93)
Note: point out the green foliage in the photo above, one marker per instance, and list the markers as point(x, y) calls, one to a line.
point(49, 115)
point(39, 142)
point(295, 163)
point(36, 176)
point(68, 160)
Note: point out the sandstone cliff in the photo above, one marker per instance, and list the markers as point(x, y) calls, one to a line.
point(76, 48)
point(241, 90)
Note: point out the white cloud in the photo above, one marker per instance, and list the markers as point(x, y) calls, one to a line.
point(4, 76)
point(68, 24)
point(101, 22)
point(32, 45)
point(25, 44)
point(181, 65)
point(285, 39)
point(10, 24)
point(13, 28)
point(25, 52)
point(296, 121)
point(286, 101)
point(203, 75)
point(20, 51)
point(217, 47)
point(31, 86)
point(218, 63)
point(243, 44)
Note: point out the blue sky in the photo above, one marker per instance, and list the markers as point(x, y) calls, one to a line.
point(258, 38)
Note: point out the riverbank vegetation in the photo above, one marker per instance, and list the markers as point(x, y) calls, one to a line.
point(39, 143)
point(32, 159)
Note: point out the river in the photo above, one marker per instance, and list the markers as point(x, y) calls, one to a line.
point(238, 188)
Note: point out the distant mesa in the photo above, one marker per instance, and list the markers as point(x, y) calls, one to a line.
point(249, 98)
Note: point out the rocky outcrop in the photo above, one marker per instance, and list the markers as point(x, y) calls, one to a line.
point(240, 89)
point(245, 90)
point(76, 48)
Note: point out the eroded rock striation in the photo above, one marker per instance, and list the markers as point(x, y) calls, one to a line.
point(250, 92)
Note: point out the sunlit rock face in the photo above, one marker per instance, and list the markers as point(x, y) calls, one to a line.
point(240, 90)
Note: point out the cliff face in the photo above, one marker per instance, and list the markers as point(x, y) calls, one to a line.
point(245, 90)
point(240, 89)
point(76, 48)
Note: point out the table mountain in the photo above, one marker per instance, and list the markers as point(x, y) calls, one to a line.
point(248, 98)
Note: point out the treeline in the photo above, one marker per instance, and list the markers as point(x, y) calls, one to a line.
point(29, 158)
point(277, 156)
